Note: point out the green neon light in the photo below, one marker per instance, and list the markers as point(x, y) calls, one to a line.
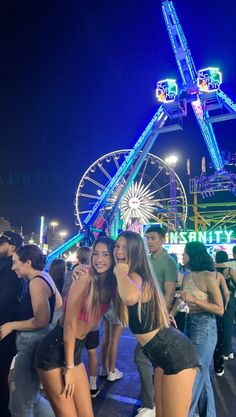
point(214, 236)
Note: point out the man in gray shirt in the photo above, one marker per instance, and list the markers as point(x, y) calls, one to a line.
point(165, 270)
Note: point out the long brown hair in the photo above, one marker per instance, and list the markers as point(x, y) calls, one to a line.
point(57, 271)
point(138, 262)
point(93, 292)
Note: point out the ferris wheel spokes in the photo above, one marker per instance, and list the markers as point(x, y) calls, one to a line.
point(147, 198)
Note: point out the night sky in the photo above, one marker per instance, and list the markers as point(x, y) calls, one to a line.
point(78, 81)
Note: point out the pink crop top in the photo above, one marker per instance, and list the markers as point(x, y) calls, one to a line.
point(83, 314)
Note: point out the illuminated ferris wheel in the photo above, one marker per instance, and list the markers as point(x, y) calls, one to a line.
point(156, 194)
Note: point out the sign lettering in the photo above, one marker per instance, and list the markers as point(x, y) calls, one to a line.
point(206, 237)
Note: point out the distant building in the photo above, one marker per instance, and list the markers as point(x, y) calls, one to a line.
point(4, 225)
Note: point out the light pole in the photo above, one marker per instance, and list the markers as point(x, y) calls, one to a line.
point(63, 234)
point(42, 230)
point(53, 224)
point(171, 161)
point(53, 240)
point(31, 241)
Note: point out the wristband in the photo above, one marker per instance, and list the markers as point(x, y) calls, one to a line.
point(69, 365)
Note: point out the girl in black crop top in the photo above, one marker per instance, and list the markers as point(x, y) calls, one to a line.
point(141, 305)
point(37, 303)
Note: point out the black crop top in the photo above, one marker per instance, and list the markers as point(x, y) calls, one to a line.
point(135, 325)
point(25, 306)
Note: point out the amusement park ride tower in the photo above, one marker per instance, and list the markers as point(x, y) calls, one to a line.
point(199, 89)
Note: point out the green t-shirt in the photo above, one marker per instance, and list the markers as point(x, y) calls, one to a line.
point(164, 267)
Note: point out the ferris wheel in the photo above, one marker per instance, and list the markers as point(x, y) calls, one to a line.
point(156, 194)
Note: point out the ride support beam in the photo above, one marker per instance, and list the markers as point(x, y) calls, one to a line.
point(179, 44)
point(157, 119)
point(64, 247)
point(208, 135)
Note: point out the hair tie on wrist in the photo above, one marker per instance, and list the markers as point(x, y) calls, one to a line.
point(69, 365)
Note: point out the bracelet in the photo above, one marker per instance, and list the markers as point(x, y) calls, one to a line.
point(69, 365)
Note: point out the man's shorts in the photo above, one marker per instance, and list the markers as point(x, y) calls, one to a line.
point(111, 316)
point(92, 340)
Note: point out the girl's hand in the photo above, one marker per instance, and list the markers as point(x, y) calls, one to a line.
point(188, 298)
point(69, 387)
point(5, 330)
point(172, 321)
point(81, 271)
point(121, 268)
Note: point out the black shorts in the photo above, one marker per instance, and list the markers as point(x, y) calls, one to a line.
point(92, 340)
point(50, 353)
point(171, 351)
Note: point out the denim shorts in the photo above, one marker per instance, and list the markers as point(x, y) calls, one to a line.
point(111, 315)
point(171, 351)
point(50, 353)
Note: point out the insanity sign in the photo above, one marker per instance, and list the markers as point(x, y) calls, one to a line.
point(208, 237)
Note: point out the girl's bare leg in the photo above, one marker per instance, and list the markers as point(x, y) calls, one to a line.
point(92, 362)
point(105, 343)
point(53, 385)
point(78, 406)
point(158, 377)
point(176, 393)
point(82, 398)
point(115, 332)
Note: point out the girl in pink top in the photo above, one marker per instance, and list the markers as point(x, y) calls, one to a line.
point(58, 358)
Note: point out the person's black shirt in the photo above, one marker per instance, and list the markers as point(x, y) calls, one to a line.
point(10, 287)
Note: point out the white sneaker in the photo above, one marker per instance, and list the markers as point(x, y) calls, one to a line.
point(231, 356)
point(113, 376)
point(95, 392)
point(221, 373)
point(226, 358)
point(103, 371)
point(146, 412)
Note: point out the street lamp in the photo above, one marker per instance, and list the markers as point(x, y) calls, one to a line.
point(53, 224)
point(31, 241)
point(62, 234)
point(171, 161)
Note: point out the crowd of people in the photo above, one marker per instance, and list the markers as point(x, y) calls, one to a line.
point(47, 318)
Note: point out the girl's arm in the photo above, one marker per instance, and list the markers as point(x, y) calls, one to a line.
point(74, 304)
point(228, 264)
point(177, 299)
point(175, 306)
point(58, 303)
point(224, 288)
point(73, 307)
point(232, 275)
point(39, 293)
point(220, 265)
point(129, 285)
